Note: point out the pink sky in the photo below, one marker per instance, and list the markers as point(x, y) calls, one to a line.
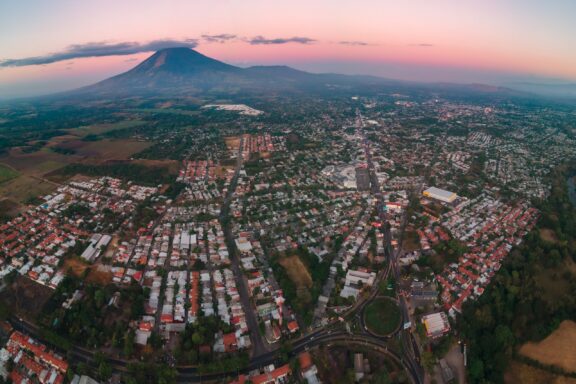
point(524, 37)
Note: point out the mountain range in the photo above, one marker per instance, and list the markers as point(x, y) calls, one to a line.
point(184, 71)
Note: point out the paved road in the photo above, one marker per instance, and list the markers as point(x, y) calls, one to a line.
point(329, 335)
point(409, 345)
point(258, 345)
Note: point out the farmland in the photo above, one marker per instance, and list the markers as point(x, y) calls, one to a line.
point(558, 349)
point(523, 373)
point(7, 173)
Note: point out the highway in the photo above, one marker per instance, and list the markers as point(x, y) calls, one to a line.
point(409, 345)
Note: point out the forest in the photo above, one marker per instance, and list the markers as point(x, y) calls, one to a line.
point(531, 294)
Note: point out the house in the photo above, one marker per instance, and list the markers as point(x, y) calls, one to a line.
point(272, 376)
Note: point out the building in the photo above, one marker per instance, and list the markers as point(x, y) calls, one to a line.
point(436, 324)
point(440, 195)
point(355, 277)
point(272, 375)
point(362, 178)
point(358, 366)
point(308, 369)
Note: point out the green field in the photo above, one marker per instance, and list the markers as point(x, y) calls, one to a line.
point(7, 173)
point(98, 129)
point(382, 316)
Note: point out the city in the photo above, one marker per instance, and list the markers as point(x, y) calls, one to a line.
point(188, 220)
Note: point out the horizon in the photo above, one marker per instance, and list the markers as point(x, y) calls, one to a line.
point(517, 44)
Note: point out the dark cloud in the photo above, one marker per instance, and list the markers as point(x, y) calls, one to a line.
point(424, 45)
point(261, 40)
point(99, 49)
point(221, 38)
point(357, 43)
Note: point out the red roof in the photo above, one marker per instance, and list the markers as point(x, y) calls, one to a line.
point(271, 377)
point(305, 360)
point(293, 326)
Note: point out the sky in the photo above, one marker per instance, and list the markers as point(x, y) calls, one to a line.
point(54, 45)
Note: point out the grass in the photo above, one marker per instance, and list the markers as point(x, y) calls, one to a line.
point(526, 374)
point(98, 129)
point(558, 349)
point(382, 316)
point(7, 173)
point(298, 273)
point(25, 187)
point(110, 149)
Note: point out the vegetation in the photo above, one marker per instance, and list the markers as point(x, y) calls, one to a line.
point(92, 321)
point(7, 173)
point(319, 271)
point(142, 174)
point(382, 316)
point(531, 294)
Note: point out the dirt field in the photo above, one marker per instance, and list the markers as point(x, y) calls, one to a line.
point(99, 274)
point(26, 298)
point(75, 266)
point(297, 271)
point(411, 241)
point(103, 150)
point(232, 142)
point(558, 349)
point(525, 374)
point(36, 163)
point(9, 207)
point(548, 235)
point(96, 274)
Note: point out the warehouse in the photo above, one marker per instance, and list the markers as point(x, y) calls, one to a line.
point(440, 194)
point(436, 324)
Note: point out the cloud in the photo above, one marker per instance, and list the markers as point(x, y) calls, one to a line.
point(354, 43)
point(423, 45)
point(99, 49)
point(221, 38)
point(261, 40)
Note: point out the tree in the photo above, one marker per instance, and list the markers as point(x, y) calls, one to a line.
point(428, 361)
point(129, 343)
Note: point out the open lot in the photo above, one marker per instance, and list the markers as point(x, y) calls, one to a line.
point(25, 297)
point(558, 349)
point(232, 142)
point(95, 274)
point(298, 273)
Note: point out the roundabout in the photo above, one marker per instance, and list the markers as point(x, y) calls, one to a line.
point(382, 316)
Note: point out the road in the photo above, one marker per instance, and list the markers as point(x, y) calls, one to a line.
point(328, 335)
point(409, 345)
point(258, 345)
